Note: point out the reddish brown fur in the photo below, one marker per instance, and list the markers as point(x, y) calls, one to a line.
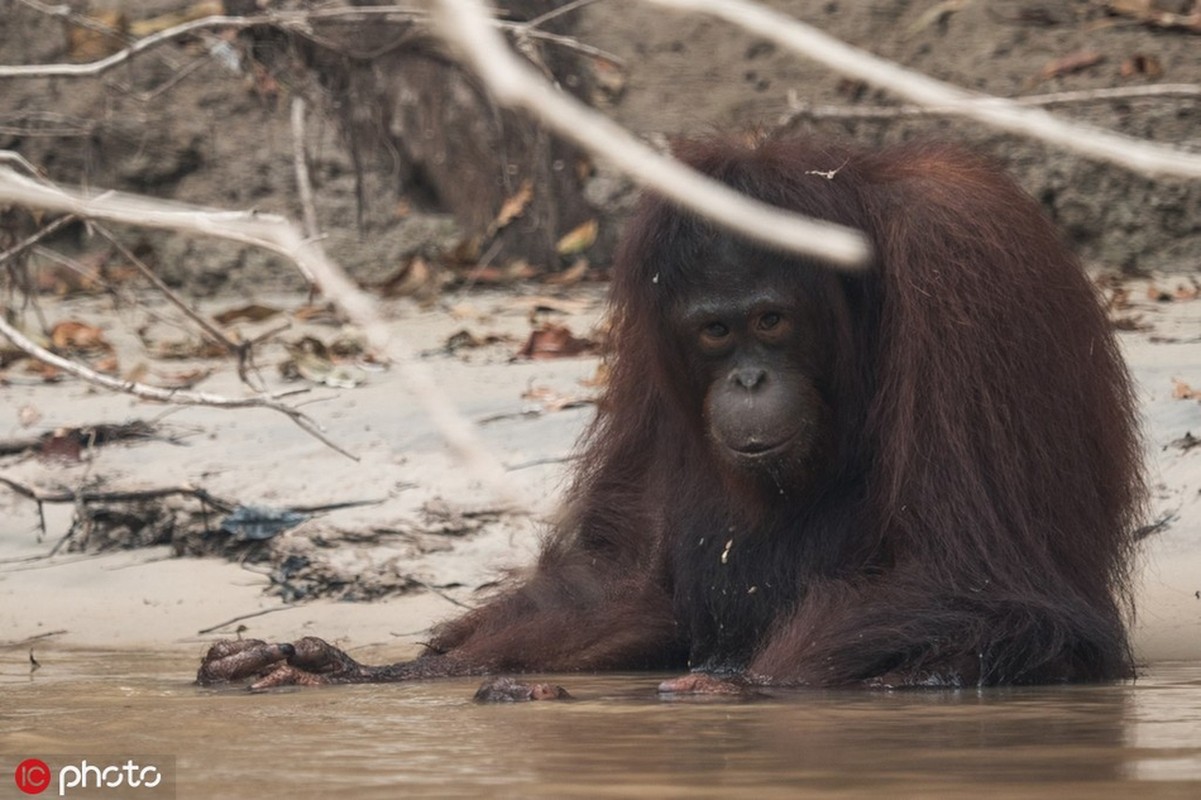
point(986, 414)
point(973, 522)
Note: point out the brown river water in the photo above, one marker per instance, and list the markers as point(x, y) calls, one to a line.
point(617, 739)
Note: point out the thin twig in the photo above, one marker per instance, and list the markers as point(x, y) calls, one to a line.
point(300, 162)
point(36, 237)
point(207, 328)
point(555, 13)
point(13, 157)
point(241, 617)
point(28, 640)
point(243, 352)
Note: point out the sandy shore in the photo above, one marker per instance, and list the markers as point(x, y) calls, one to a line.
point(146, 599)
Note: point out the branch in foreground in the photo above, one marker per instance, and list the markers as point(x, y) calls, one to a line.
point(1125, 151)
point(280, 236)
point(515, 83)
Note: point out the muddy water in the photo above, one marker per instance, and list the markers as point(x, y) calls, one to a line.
point(617, 740)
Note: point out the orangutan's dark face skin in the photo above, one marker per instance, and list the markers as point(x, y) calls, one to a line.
point(756, 360)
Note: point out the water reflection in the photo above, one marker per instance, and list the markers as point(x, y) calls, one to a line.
point(617, 740)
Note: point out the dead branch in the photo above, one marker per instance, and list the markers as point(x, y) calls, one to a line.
point(173, 396)
point(28, 640)
point(298, 22)
point(36, 237)
point(89, 435)
point(1125, 151)
point(243, 352)
point(240, 617)
point(278, 235)
point(94, 496)
point(801, 110)
point(300, 162)
point(515, 83)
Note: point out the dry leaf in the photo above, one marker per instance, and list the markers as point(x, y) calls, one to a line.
point(411, 279)
point(550, 400)
point(28, 415)
point(254, 312)
point(935, 15)
point(181, 380)
point(1134, 322)
point(1139, 65)
point(89, 44)
point(1182, 292)
point(107, 365)
point(322, 313)
point(599, 379)
point(570, 276)
point(464, 339)
point(554, 341)
point(514, 206)
point(1182, 391)
point(46, 372)
point(71, 335)
point(1145, 11)
point(540, 303)
point(312, 361)
point(1073, 62)
point(185, 349)
point(578, 239)
point(206, 8)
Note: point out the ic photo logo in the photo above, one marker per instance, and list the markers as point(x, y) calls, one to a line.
point(97, 777)
point(32, 776)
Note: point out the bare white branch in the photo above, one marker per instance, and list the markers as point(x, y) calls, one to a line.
point(515, 83)
point(804, 110)
point(1125, 151)
point(299, 22)
point(281, 236)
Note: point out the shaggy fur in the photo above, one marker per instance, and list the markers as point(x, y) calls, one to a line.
point(972, 520)
point(976, 522)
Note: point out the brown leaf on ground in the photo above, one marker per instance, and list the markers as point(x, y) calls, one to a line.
point(551, 400)
point(1182, 391)
point(1141, 66)
point(578, 239)
point(90, 44)
point(1150, 12)
point(570, 276)
point(599, 378)
point(78, 336)
point(412, 279)
point(312, 360)
point(186, 349)
point(1132, 322)
point(1182, 292)
point(554, 341)
point(1072, 62)
point(464, 339)
point(107, 364)
point(254, 312)
point(514, 205)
